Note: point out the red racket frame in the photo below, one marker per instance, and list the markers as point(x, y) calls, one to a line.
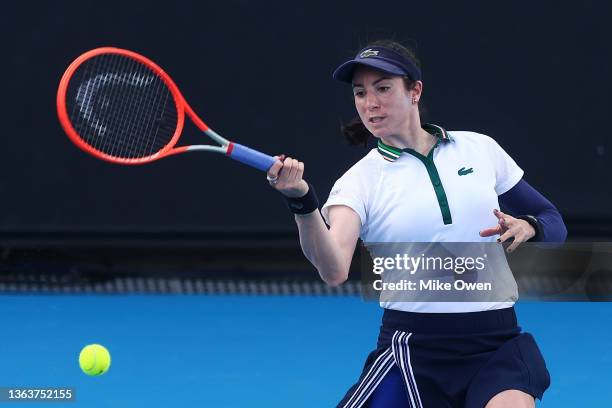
point(181, 107)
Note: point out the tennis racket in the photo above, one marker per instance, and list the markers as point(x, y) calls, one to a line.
point(123, 108)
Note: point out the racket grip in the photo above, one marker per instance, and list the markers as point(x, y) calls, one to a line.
point(250, 157)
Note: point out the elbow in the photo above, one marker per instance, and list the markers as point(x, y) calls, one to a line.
point(335, 282)
point(334, 279)
point(332, 272)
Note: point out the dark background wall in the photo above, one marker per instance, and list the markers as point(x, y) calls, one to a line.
point(533, 75)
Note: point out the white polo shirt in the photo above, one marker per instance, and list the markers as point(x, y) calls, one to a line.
point(448, 196)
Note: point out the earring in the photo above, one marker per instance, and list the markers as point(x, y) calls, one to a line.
point(414, 101)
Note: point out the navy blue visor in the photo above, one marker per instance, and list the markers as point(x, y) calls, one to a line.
point(380, 58)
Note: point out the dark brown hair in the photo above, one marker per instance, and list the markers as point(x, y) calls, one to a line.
point(355, 131)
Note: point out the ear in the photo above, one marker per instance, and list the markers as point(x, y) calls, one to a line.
point(417, 90)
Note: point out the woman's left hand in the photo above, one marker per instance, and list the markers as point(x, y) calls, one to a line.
point(509, 227)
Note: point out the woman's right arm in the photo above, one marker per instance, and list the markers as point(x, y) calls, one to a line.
point(329, 250)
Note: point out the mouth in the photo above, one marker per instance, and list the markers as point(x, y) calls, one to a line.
point(376, 119)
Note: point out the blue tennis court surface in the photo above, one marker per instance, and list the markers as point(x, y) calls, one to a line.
point(256, 351)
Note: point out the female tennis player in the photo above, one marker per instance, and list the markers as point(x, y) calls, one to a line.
point(425, 184)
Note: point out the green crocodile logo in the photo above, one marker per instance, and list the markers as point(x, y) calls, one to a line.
point(463, 171)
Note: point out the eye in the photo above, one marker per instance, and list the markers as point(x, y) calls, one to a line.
point(359, 93)
point(383, 88)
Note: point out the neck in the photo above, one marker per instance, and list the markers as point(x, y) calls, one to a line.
point(411, 137)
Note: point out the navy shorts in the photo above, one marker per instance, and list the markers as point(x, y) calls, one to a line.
point(440, 360)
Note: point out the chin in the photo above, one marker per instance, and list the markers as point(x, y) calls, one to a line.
point(379, 133)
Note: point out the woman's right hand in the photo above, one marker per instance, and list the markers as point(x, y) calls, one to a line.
point(285, 175)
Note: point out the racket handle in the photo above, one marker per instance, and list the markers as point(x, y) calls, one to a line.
point(250, 157)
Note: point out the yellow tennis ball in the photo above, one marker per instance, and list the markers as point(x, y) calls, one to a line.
point(94, 359)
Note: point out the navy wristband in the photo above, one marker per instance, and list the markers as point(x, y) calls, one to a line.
point(303, 205)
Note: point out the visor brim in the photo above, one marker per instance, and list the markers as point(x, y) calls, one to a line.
point(345, 71)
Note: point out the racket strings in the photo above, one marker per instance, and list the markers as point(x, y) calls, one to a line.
point(149, 108)
point(121, 107)
point(142, 135)
point(133, 131)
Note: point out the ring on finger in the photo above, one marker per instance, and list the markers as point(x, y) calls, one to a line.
point(272, 180)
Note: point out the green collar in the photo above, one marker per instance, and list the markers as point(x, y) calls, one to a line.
point(391, 153)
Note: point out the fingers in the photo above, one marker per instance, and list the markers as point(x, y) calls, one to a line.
point(295, 167)
point(514, 245)
point(488, 232)
point(498, 213)
point(285, 169)
point(275, 169)
point(505, 236)
point(500, 228)
point(506, 223)
point(507, 229)
point(300, 171)
point(518, 230)
point(293, 170)
point(290, 168)
point(286, 176)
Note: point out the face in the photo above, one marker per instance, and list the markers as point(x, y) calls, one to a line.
point(382, 101)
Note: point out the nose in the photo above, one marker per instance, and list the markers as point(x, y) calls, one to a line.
point(372, 102)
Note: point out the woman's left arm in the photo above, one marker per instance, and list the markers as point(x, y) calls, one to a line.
point(529, 206)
